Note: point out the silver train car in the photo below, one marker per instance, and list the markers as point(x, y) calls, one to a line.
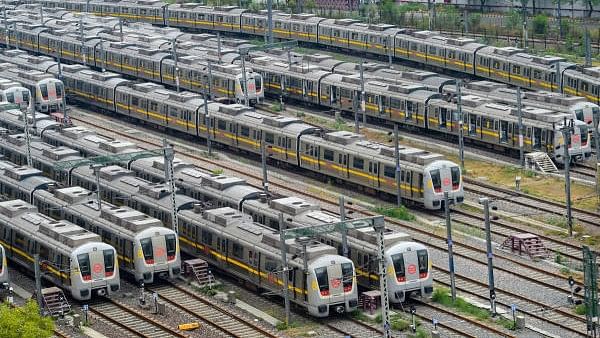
point(319, 280)
point(75, 259)
point(14, 92)
point(505, 64)
point(4, 276)
point(146, 249)
point(12, 117)
point(46, 90)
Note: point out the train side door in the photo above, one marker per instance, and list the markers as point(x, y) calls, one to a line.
point(374, 174)
point(503, 132)
point(536, 142)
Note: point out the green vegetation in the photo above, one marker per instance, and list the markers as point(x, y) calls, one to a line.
point(24, 322)
point(341, 125)
point(359, 315)
point(540, 24)
point(580, 309)
point(218, 171)
point(507, 323)
point(558, 258)
point(399, 213)
point(443, 297)
point(281, 326)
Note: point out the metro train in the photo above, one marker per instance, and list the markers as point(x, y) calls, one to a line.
point(402, 102)
point(189, 72)
point(505, 64)
point(231, 242)
point(145, 248)
point(343, 156)
point(75, 259)
point(4, 277)
point(208, 190)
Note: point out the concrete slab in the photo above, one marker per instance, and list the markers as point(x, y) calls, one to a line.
point(256, 312)
point(19, 291)
point(92, 333)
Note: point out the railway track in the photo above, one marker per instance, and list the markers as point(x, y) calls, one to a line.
point(583, 216)
point(211, 313)
point(132, 320)
point(426, 236)
point(353, 328)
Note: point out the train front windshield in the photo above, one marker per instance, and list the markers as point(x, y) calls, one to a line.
point(455, 171)
point(1, 260)
point(171, 246)
point(423, 259)
point(84, 266)
point(147, 250)
point(322, 280)
point(398, 261)
point(109, 262)
point(436, 180)
point(347, 276)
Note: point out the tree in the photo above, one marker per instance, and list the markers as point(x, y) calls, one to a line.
point(388, 11)
point(310, 5)
point(24, 322)
point(371, 12)
point(540, 24)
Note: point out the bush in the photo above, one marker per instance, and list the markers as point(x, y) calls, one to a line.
point(399, 213)
point(540, 24)
point(580, 309)
point(442, 296)
point(24, 321)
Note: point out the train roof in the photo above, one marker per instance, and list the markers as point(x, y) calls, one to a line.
point(105, 79)
point(82, 138)
point(432, 81)
point(121, 219)
point(241, 227)
point(358, 26)
point(62, 234)
point(519, 55)
point(149, 90)
point(358, 144)
point(27, 178)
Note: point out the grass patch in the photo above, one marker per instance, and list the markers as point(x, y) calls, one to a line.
point(359, 315)
point(580, 309)
point(468, 230)
point(218, 171)
point(281, 326)
point(341, 125)
point(506, 323)
point(276, 107)
point(400, 213)
point(442, 296)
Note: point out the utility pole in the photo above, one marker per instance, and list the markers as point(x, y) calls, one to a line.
point(595, 121)
point(566, 131)
point(174, 54)
point(219, 46)
point(398, 169)
point(6, 32)
point(26, 130)
point(121, 27)
point(385, 302)
point(488, 239)
point(390, 50)
point(588, 52)
point(430, 14)
point(269, 21)
point(362, 100)
point(461, 142)
point(524, 12)
point(102, 55)
point(263, 158)
point(83, 58)
point(206, 113)
point(450, 253)
point(560, 27)
point(41, 15)
point(558, 78)
point(344, 231)
point(245, 85)
point(96, 168)
point(284, 269)
point(590, 277)
point(169, 175)
point(38, 281)
point(87, 6)
point(520, 114)
point(65, 120)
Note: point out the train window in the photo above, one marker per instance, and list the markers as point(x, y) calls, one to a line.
point(579, 114)
point(245, 131)
point(19, 240)
point(328, 155)
point(10, 97)
point(432, 50)
point(422, 257)
point(147, 250)
point(322, 280)
point(436, 180)
point(370, 166)
point(289, 143)
point(153, 106)
point(171, 246)
point(358, 163)
point(496, 64)
point(270, 138)
point(238, 250)
point(347, 274)
point(455, 172)
point(537, 74)
point(389, 171)
point(413, 46)
point(135, 101)
point(109, 262)
point(398, 261)
point(270, 264)
point(84, 266)
point(516, 69)
point(585, 86)
point(451, 54)
point(44, 91)
point(222, 125)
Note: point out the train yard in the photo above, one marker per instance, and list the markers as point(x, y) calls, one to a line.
point(160, 182)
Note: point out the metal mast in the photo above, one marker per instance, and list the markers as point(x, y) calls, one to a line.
point(168, 165)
